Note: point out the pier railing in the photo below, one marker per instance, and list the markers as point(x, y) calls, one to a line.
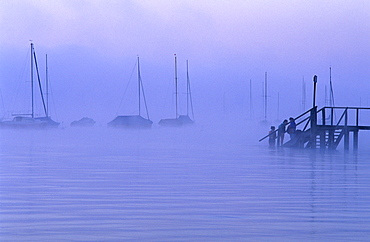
point(350, 116)
point(326, 127)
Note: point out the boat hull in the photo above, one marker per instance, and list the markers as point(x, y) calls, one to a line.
point(29, 123)
point(84, 122)
point(171, 122)
point(130, 121)
point(182, 120)
point(185, 119)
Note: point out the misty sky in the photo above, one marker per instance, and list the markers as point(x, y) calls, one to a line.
point(92, 47)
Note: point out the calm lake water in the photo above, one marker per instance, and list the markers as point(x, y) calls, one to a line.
point(193, 184)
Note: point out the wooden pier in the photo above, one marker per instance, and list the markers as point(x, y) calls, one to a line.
point(325, 128)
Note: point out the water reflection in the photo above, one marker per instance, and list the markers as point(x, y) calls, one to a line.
point(125, 186)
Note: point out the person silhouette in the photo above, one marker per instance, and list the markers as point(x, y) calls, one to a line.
point(291, 127)
point(281, 132)
point(272, 137)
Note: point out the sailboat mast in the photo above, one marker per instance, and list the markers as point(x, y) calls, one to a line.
point(265, 95)
point(278, 106)
point(32, 104)
point(250, 99)
point(303, 95)
point(138, 81)
point(47, 88)
point(187, 87)
point(176, 86)
point(331, 91)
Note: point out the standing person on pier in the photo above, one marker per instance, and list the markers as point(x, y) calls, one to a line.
point(291, 128)
point(272, 137)
point(281, 133)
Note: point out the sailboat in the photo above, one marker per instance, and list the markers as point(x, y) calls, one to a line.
point(31, 120)
point(134, 121)
point(179, 120)
point(185, 118)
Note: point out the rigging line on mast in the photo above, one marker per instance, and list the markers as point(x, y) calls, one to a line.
point(141, 88)
point(146, 106)
point(331, 93)
point(39, 81)
point(20, 77)
point(47, 87)
point(49, 94)
point(125, 91)
point(189, 89)
point(53, 101)
point(167, 101)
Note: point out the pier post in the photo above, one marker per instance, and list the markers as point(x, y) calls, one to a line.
point(346, 140)
point(314, 90)
point(313, 117)
point(355, 140)
point(331, 139)
point(332, 116)
point(322, 139)
point(346, 131)
point(323, 117)
point(323, 131)
point(313, 127)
